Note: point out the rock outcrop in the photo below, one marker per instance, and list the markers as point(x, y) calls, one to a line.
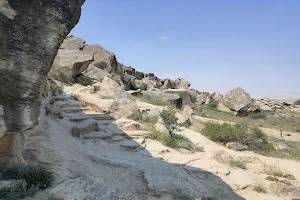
point(31, 33)
point(182, 83)
point(237, 99)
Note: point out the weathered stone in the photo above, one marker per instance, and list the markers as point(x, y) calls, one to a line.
point(162, 128)
point(172, 98)
point(129, 145)
point(73, 43)
point(184, 95)
point(183, 120)
point(104, 59)
point(236, 146)
point(11, 149)
point(30, 35)
point(240, 179)
point(237, 99)
point(167, 84)
point(182, 83)
point(85, 127)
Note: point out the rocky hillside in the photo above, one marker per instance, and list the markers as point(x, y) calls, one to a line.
point(96, 129)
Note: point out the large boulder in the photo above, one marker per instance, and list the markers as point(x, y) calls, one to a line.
point(169, 97)
point(73, 43)
point(184, 95)
point(31, 33)
point(237, 99)
point(104, 59)
point(181, 83)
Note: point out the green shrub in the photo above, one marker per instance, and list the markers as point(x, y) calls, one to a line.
point(170, 120)
point(213, 104)
point(33, 180)
point(60, 73)
point(259, 189)
point(149, 119)
point(237, 163)
point(136, 116)
point(194, 98)
point(259, 115)
point(253, 137)
point(297, 102)
point(175, 141)
point(143, 86)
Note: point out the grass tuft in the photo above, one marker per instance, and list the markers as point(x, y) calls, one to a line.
point(238, 164)
point(154, 101)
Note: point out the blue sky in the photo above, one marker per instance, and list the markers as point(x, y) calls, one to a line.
point(215, 44)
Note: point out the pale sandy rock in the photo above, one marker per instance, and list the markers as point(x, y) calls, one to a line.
point(129, 125)
point(162, 128)
point(240, 179)
point(129, 145)
point(183, 120)
point(85, 127)
point(237, 99)
point(250, 159)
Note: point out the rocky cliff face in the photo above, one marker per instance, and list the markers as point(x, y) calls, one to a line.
point(30, 34)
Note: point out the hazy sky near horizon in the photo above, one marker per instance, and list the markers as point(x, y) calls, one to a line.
point(216, 45)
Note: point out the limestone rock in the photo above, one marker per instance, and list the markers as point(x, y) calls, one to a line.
point(203, 98)
point(240, 179)
point(182, 83)
point(11, 149)
point(104, 59)
point(96, 73)
point(183, 120)
point(129, 125)
point(184, 95)
point(129, 145)
point(73, 43)
point(172, 98)
point(85, 127)
point(31, 33)
point(162, 128)
point(237, 99)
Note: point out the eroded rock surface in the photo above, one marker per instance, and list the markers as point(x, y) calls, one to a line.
point(30, 35)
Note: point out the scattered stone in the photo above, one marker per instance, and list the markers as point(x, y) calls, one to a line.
point(250, 159)
point(236, 146)
point(240, 179)
point(129, 145)
point(85, 127)
point(223, 171)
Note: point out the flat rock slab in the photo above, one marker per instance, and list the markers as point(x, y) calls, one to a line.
point(85, 127)
point(74, 109)
point(82, 117)
point(240, 179)
point(129, 145)
point(134, 134)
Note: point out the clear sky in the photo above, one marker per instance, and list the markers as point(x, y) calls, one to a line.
point(215, 44)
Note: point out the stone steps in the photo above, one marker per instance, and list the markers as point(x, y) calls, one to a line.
point(74, 109)
point(82, 117)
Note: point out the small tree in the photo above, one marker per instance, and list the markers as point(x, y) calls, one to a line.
point(170, 120)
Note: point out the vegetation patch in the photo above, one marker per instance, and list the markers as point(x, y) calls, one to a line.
point(176, 141)
point(259, 189)
point(32, 179)
point(259, 115)
point(154, 101)
point(238, 164)
point(253, 137)
point(170, 120)
point(297, 102)
point(291, 149)
point(60, 72)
